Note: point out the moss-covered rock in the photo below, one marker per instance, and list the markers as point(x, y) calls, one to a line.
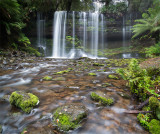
point(59, 79)
point(92, 74)
point(153, 103)
point(62, 72)
point(154, 127)
point(0, 129)
point(47, 78)
point(25, 101)
point(98, 64)
point(102, 100)
point(68, 117)
point(111, 76)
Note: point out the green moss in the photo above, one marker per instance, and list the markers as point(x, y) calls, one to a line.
point(143, 119)
point(113, 77)
point(66, 119)
point(31, 50)
point(0, 129)
point(106, 84)
point(64, 122)
point(47, 78)
point(59, 79)
point(92, 74)
point(101, 100)
point(98, 64)
point(62, 72)
point(153, 103)
point(154, 127)
point(25, 101)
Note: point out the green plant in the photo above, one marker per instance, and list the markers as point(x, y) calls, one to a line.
point(140, 82)
point(150, 23)
point(143, 119)
point(153, 50)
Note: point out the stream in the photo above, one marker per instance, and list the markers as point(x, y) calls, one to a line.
point(72, 87)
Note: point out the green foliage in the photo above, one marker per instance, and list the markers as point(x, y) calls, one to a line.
point(113, 77)
point(24, 41)
point(25, 101)
point(139, 81)
point(101, 100)
point(153, 50)
point(119, 9)
point(31, 51)
point(143, 119)
point(11, 21)
point(154, 126)
point(70, 40)
point(150, 23)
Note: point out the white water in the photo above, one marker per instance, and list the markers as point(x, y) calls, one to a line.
point(73, 32)
point(59, 28)
point(41, 32)
point(124, 32)
point(84, 30)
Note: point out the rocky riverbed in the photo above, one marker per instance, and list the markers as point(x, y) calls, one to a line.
point(70, 83)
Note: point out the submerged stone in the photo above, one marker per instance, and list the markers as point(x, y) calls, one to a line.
point(101, 98)
point(98, 64)
point(68, 117)
point(59, 79)
point(25, 101)
point(5, 98)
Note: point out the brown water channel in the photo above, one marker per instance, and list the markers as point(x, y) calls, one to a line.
point(72, 87)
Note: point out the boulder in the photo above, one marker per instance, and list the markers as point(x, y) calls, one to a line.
point(24, 101)
point(68, 117)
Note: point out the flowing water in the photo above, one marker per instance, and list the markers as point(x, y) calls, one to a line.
point(73, 87)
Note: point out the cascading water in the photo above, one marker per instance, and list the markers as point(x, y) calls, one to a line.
point(73, 32)
point(84, 30)
point(124, 32)
point(59, 34)
point(41, 43)
point(85, 20)
point(102, 31)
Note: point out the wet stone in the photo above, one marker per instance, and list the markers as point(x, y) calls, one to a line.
point(68, 117)
point(5, 98)
point(59, 79)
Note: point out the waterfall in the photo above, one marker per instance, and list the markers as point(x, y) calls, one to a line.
point(94, 16)
point(59, 28)
point(124, 32)
point(73, 32)
point(41, 43)
point(96, 36)
point(102, 31)
point(84, 30)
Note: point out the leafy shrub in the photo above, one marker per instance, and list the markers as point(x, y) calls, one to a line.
point(153, 50)
point(140, 82)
